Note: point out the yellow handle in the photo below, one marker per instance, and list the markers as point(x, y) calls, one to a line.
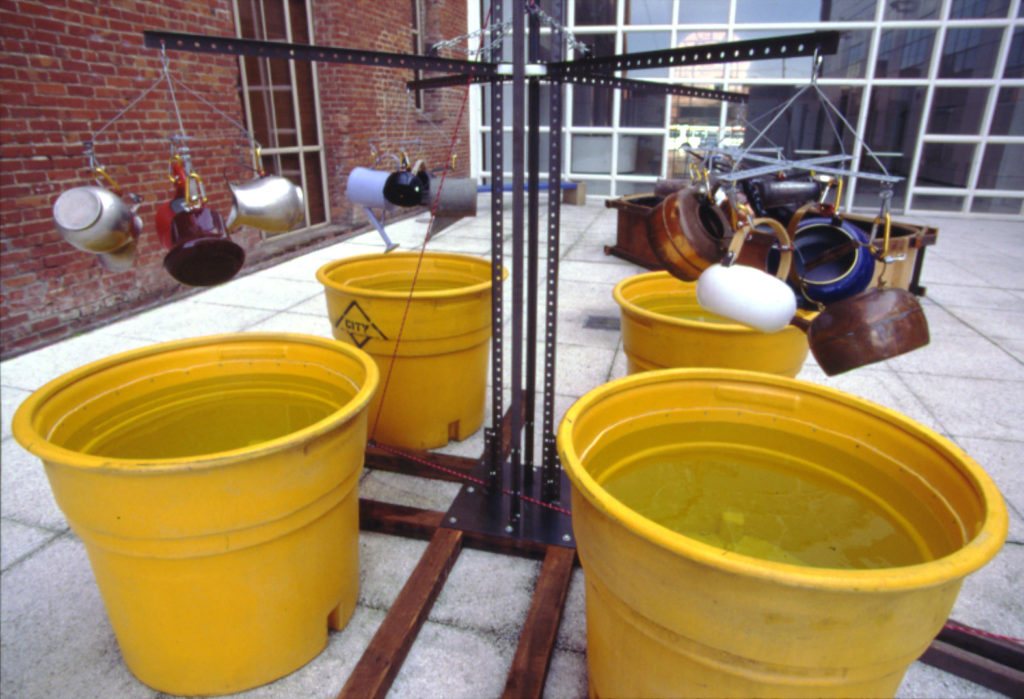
point(200, 196)
point(785, 249)
point(113, 185)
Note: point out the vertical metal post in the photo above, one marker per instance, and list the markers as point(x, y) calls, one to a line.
point(533, 205)
point(551, 470)
point(493, 434)
point(518, 183)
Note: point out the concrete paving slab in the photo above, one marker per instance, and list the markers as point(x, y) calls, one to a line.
point(56, 637)
point(53, 624)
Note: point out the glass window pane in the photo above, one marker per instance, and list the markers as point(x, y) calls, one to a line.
point(1015, 59)
point(867, 194)
point(637, 42)
point(938, 202)
point(851, 58)
point(912, 9)
point(966, 9)
point(969, 52)
point(592, 106)
point(957, 110)
point(996, 205)
point(848, 10)
point(642, 109)
point(640, 154)
point(594, 12)
point(904, 53)
point(703, 12)
point(307, 105)
point(1008, 119)
point(591, 154)
point(625, 188)
point(808, 126)
point(1002, 167)
point(314, 190)
point(945, 164)
point(649, 12)
point(890, 132)
point(761, 11)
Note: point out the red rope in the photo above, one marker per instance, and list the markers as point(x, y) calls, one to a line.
point(986, 634)
point(419, 263)
point(423, 249)
point(466, 477)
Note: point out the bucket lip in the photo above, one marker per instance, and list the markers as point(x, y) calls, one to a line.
point(627, 306)
point(39, 445)
point(322, 275)
point(965, 560)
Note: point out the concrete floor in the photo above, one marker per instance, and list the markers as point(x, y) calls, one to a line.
point(968, 384)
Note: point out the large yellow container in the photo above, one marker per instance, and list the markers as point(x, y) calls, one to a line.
point(663, 326)
point(435, 389)
point(750, 602)
point(213, 482)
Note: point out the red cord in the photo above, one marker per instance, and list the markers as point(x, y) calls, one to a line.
point(465, 477)
point(986, 634)
point(423, 249)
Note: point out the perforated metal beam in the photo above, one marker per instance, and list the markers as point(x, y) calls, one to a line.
point(790, 46)
point(650, 86)
point(202, 43)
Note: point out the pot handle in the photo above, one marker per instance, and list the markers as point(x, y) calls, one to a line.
point(785, 243)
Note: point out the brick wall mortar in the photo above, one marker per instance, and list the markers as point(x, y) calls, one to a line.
point(70, 66)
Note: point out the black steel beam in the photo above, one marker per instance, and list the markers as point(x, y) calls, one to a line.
point(650, 86)
point(202, 43)
point(791, 46)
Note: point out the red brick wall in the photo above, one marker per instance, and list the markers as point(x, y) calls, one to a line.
point(68, 67)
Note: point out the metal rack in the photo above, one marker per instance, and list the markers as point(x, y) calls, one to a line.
point(507, 504)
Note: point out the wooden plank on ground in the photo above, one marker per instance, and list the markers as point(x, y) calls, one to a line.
point(383, 658)
point(984, 671)
point(537, 640)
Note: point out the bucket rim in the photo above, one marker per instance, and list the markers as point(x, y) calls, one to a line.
point(322, 275)
point(40, 446)
point(626, 305)
point(971, 556)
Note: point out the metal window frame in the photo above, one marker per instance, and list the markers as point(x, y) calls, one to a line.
point(301, 149)
point(876, 26)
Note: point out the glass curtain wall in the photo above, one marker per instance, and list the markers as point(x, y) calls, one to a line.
point(930, 90)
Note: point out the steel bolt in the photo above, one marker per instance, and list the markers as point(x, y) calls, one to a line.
point(452, 520)
point(566, 537)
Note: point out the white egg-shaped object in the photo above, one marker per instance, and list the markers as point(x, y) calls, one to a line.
point(746, 295)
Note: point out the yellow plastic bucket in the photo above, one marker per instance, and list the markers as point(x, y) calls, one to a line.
point(213, 482)
point(663, 326)
point(827, 537)
point(435, 390)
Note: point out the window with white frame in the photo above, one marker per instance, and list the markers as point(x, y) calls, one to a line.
point(281, 101)
point(934, 91)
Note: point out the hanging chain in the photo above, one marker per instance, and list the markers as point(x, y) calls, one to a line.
point(502, 29)
point(497, 31)
point(574, 43)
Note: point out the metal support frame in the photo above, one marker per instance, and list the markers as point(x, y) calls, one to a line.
point(494, 517)
point(507, 463)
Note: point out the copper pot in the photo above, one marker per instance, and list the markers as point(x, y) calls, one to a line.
point(876, 324)
point(688, 233)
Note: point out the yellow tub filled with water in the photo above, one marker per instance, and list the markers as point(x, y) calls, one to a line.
point(431, 345)
point(213, 482)
point(663, 326)
point(743, 534)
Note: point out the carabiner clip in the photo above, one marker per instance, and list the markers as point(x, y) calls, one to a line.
point(200, 194)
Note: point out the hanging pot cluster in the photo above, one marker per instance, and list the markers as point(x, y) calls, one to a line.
point(760, 273)
point(98, 220)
